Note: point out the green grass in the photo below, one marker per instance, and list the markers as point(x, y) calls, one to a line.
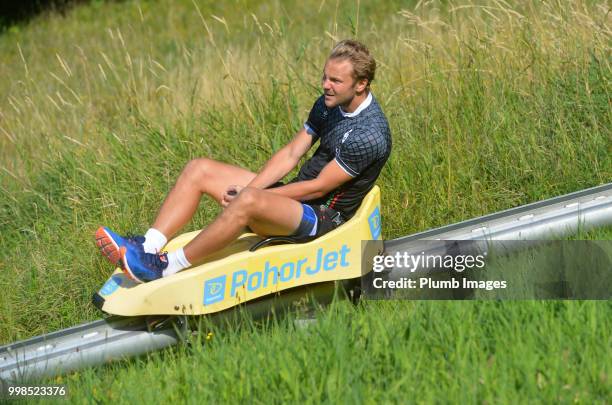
point(394, 351)
point(491, 106)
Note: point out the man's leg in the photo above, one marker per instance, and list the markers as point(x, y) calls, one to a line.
point(264, 212)
point(200, 176)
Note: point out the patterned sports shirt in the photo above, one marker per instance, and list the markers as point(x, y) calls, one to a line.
point(360, 142)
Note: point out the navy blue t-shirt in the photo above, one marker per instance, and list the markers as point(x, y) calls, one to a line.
point(360, 142)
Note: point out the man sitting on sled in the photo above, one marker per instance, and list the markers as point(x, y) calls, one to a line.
point(355, 143)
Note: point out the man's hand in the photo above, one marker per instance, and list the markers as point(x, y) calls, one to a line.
point(231, 193)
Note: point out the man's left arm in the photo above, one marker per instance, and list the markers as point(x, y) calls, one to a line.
point(360, 150)
point(332, 176)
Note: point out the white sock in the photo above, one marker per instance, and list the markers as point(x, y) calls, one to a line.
point(154, 241)
point(176, 262)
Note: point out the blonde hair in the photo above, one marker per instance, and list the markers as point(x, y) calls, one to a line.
point(364, 65)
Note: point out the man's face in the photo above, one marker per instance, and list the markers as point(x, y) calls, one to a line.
point(339, 85)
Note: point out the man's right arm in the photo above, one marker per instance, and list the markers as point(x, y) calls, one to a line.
point(283, 161)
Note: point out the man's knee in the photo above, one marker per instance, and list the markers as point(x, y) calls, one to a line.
point(198, 171)
point(244, 207)
point(198, 166)
point(249, 199)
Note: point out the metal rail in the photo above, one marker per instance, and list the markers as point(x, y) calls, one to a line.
point(114, 338)
point(548, 219)
point(587, 208)
point(80, 346)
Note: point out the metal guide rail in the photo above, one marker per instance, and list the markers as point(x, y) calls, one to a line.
point(80, 346)
point(586, 209)
point(548, 219)
point(116, 337)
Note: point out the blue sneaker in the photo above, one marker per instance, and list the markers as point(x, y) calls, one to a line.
point(110, 243)
point(140, 266)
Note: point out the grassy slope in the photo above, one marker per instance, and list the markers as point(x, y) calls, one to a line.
point(490, 107)
point(380, 352)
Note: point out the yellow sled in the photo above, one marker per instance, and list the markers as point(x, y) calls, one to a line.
point(239, 273)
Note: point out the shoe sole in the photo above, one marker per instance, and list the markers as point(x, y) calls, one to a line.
point(126, 267)
point(107, 246)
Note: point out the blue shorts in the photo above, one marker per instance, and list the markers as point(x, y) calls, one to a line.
point(317, 221)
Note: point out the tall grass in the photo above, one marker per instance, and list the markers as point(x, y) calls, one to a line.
point(491, 105)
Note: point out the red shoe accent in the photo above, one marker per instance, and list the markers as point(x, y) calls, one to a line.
point(107, 246)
